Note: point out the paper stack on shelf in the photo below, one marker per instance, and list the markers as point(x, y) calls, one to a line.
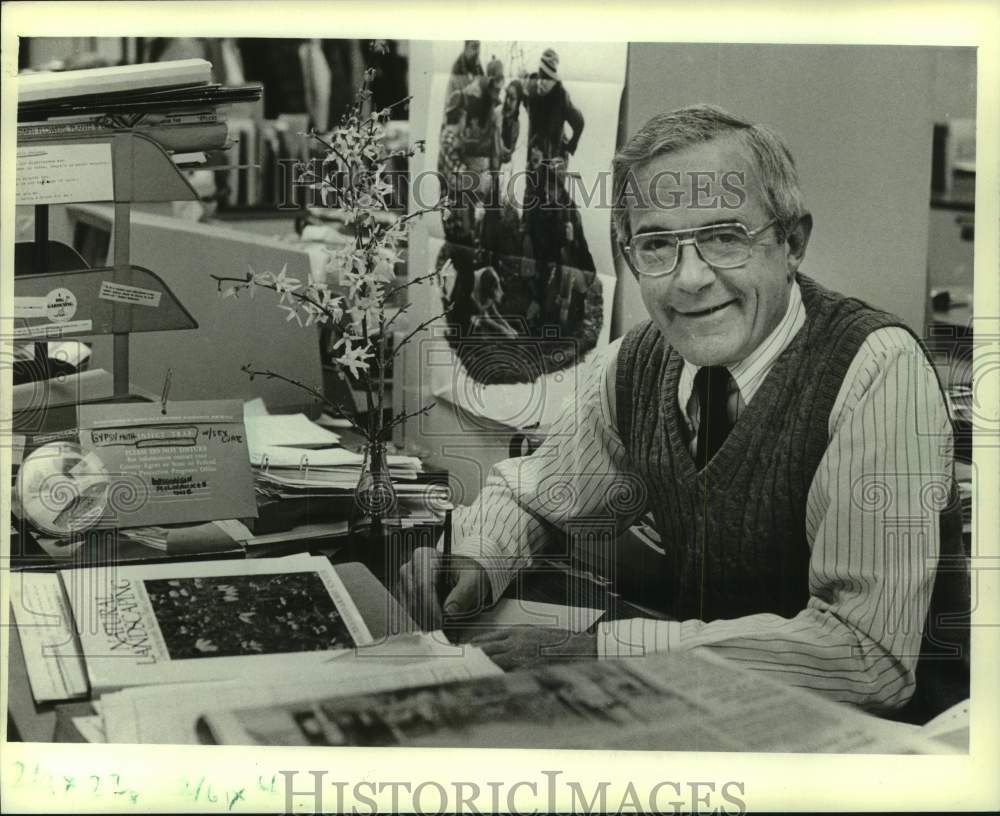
point(174, 103)
point(38, 88)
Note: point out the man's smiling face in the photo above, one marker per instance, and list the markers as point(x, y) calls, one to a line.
point(711, 316)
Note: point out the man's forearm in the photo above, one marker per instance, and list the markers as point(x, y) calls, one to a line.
point(496, 530)
point(814, 650)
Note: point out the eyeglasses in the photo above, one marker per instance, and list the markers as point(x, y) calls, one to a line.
point(721, 246)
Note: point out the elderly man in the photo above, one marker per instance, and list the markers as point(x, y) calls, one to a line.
point(778, 432)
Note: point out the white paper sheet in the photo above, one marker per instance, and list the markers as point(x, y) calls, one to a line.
point(264, 430)
point(43, 624)
point(60, 174)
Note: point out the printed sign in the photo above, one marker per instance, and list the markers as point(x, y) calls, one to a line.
point(189, 464)
point(135, 295)
point(29, 307)
point(53, 330)
point(60, 305)
point(60, 174)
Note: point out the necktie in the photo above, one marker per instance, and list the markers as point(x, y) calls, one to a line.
point(712, 385)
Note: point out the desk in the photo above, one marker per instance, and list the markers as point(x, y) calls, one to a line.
point(49, 722)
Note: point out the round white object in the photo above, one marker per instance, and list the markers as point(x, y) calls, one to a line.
point(60, 491)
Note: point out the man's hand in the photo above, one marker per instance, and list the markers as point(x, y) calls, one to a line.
point(519, 647)
point(433, 586)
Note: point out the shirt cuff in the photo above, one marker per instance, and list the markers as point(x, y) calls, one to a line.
point(499, 568)
point(635, 637)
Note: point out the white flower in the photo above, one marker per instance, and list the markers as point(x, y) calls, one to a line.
point(385, 264)
point(292, 314)
point(355, 359)
point(283, 284)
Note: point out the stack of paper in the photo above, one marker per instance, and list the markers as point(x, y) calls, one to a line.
point(46, 87)
point(294, 458)
point(173, 103)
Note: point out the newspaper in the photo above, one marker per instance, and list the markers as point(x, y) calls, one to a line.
point(689, 702)
point(170, 714)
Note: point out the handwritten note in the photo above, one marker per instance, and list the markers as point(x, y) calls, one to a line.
point(189, 464)
point(32, 781)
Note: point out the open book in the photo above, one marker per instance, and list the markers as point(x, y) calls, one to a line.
point(183, 622)
point(690, 701)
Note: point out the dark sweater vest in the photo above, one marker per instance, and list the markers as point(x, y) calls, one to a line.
point(735, 532)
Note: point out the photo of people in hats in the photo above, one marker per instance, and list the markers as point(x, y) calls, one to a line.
point(524, 275)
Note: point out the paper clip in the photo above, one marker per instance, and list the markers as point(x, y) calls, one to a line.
point(166, 390)
point(304, 465)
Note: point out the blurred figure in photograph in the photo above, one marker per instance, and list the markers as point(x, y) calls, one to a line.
point(550, 110)
point(451, 166)
point(486, 296)
point(466, 68)
point(484, 152)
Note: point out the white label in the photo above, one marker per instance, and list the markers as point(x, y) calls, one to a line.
point(60, 305)
point(29, 307)
point(135, 295)
point(53, 330)
point(59, 174)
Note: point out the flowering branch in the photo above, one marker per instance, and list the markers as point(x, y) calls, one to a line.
point(392, 290)
point(352, 173)
point(274, 375)
point(418, 329)
point(401, 417)
point(401, 311)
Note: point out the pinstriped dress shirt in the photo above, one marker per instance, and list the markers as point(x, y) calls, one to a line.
point(888, 419)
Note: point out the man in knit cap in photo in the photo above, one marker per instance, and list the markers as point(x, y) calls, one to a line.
point(546, 200)
point(776, 430)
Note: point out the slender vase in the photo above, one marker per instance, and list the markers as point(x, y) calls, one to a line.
point(374, 507)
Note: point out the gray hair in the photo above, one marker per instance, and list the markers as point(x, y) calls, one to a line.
point(696, 124)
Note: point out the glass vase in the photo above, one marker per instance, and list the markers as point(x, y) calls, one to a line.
point(373, 511)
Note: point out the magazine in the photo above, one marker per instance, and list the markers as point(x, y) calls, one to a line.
point(187, 622)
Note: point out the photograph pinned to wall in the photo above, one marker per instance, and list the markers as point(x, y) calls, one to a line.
point(485, 375)
point(522, 149)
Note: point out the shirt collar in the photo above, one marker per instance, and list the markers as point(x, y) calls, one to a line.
point(749, 373)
